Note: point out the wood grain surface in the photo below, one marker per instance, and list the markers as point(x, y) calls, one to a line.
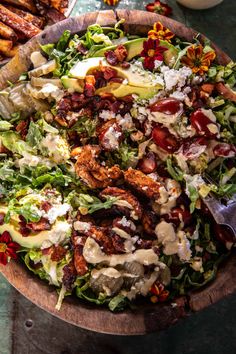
point(147, 318)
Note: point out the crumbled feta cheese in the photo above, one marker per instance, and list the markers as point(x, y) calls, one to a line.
point(82, 226)
point(56, 212)
point(125, 122)
point(125, 82)
point(113, 137)
point(106, 115)
point(175, 78)
point(58, 234)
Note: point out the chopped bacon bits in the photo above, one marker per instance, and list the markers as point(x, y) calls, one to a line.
point(111, 57)
point(41, 225)
point(121, 53)
point(79, 261)
point(58, 253)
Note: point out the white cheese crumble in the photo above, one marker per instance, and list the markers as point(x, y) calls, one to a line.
point(56, 212)
point(106, 115)
point(58, 234)
point(58, 149)
point(113, 137)
point(81, 226)
point(175, 78)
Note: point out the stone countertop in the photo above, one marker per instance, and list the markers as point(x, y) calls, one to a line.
point(25, 329)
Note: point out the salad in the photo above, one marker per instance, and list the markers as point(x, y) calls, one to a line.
point(108, 146)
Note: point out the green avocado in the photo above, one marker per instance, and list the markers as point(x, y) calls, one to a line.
point(171, 54)
point(134, 48)
point(32, 241)
point(119, 90)
point(70, 83)
point(135, 75)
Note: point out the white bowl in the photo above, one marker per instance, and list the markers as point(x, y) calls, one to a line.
point(199, 4)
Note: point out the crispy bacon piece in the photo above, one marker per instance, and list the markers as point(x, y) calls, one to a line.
point(125, 196)
point(58, 253)
point(143, 184)
point(69, 276)
point(90, 171)
point(41, 225)
point(79, 261)
point(121, 53)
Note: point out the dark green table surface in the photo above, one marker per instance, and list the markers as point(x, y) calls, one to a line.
point(25, 329)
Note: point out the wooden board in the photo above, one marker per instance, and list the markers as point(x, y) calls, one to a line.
point(148, 318)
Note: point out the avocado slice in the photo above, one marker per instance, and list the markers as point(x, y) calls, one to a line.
point(171, 54)
point(119, 90)
point(135, 75)
point(71, 83)
point(32, 241)
point(134, 48)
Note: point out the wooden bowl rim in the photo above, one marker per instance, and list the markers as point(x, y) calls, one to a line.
point(149, 318)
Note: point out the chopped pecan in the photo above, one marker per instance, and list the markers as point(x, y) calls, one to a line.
point(130, 202)
point(90, 171)
point(143, 184)
point(58, 253)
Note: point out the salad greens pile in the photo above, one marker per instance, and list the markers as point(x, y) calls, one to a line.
point(108, 146)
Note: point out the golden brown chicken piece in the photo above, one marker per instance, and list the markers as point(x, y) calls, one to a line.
point(90, 171)
point(142, 183)
point(125, 200)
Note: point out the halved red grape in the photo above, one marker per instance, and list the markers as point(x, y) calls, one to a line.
point(167, 106)
point(163, 138)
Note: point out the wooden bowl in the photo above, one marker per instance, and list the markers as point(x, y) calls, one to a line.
point(147, 318)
